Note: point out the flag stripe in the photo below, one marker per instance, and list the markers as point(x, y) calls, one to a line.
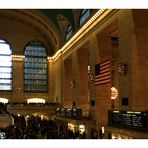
point(102, 82)
point(106, 61)
point(102, 79)
point(102, 75)
point(105, 67)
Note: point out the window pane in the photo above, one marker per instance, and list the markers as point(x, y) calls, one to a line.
point(5, 58)
point(5, 66)
point(69, 32)
point(84, 15)
point(5, 49)
point(5, 70)
point(5, 87)
point(6, 75)
point(35, 67)
point(3, 81)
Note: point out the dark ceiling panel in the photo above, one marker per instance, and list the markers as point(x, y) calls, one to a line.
point(52, 15)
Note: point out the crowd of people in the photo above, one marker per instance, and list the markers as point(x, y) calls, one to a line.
point(38, 129)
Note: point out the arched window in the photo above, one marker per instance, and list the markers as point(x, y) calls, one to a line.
point(85, 13)
point(35, 70)
point(5, 66)
point(69, 32)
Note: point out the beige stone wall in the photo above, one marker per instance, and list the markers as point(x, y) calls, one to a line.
point(103, 92)
point(129, 26)
point(125, 34)
point(139, 43)
point(56, 81)
point(17, 34)
point(17, 80)
point(92, 49)
point(82, 78)
point(67, 91)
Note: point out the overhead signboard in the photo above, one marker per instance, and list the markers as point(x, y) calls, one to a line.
point(69, 113)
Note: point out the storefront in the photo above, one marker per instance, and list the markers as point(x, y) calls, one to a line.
point(82, 127)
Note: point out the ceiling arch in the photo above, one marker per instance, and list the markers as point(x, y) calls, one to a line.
point(53, 13)
point(34, 20)
point(47, 25)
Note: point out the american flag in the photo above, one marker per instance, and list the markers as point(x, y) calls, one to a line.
point(102, 72)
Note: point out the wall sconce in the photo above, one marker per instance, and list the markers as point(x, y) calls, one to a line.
point(114, 95)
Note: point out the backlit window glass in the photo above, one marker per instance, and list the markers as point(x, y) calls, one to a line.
point(35, 71)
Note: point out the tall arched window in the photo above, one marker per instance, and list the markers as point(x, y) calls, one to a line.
point(69, 32)
point(35, 70)
point(85, 13)
point(5, 66)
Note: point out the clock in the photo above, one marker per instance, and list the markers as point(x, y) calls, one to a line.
point(17, 89)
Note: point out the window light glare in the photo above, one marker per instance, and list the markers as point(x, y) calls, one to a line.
point(3, 100)
point(115, 111)
point(36, 100)
point(5, 47)
point(5, 66)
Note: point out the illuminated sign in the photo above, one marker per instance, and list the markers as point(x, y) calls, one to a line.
point(36, 100)
point(131, 119)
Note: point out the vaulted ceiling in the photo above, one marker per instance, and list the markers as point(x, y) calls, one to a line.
point(54, 15)
point(46, 25)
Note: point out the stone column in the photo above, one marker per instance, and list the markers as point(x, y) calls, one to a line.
point(139, 62)
point(93, 46)
point(18, 79)
point(125, 52)
point(67, 78)
point(74, 78)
